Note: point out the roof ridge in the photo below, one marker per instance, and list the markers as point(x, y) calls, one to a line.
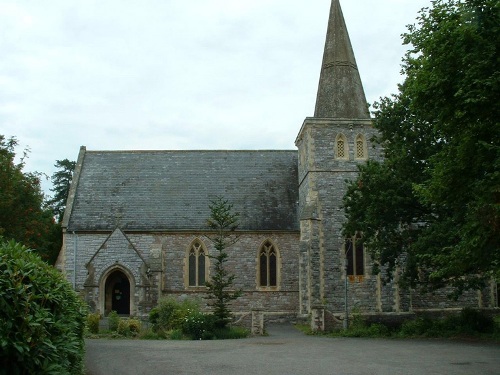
point(189, 151)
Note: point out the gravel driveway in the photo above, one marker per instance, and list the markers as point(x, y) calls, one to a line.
point(287, 352)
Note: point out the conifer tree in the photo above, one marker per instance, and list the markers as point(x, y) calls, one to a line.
point(223, 222)
point(61, 181)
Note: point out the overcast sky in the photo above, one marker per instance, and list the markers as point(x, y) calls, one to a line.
point(178, 74)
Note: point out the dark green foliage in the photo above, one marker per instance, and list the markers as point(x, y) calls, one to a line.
point(416, 327)
point(176, 334)
point(61, 181)
point(113, 321)
point(170, 314)
point(475, 321)
point(198, 326)
point(43, 319)
point(469, 322)
point(360, 328)
point(223, 222)
point(24, 216)
point(435, 200)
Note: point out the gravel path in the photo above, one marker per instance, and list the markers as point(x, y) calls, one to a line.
point(287, 352)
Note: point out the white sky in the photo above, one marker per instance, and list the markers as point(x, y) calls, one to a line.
point(178, 74)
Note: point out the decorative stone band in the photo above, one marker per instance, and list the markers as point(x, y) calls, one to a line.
point(332, 64)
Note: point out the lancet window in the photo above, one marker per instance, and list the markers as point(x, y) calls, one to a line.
point(361, 151)
point(355, 255)
point(197, 264)
point(268, 265)
point(341, 147)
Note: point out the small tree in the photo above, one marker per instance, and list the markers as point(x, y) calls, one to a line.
point(223, 222)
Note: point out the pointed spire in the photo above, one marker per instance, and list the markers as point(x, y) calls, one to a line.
point(340, 91)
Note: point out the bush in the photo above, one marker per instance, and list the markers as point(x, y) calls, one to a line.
point(43, 319)
point(134, 326)
point(416, 327)
point(198, 325)
point(128, 327)
point(468, 322)
point(471, 320)
point(93, 323)
point(113, 321)
point(170, 314)
point(123, 327)
point(176, 334)
point(378, 330)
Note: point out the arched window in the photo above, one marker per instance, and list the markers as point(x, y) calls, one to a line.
point(341, 147)
point(361, 151)
point(197, 264)
point(354, 255)
point(268, 265)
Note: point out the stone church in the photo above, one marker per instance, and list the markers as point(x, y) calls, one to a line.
point(135, 223)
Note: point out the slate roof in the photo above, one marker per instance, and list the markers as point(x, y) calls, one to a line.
point(171, 190)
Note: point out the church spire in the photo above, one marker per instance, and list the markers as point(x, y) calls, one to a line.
point(340, 91)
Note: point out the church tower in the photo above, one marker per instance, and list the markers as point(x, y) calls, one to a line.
point(331, 145)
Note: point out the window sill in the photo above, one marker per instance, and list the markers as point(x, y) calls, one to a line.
point(268, 289)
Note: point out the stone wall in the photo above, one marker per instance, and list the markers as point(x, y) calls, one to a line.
point(156, 265)
point(322, 275)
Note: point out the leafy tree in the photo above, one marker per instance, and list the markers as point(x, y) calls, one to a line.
point(435, 199)
point(223, 222)
point(24, 216)
point(61, 181)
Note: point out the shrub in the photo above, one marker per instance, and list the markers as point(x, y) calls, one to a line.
point(93, 323)
point(471, 320)
point(123, 327)
point(134, 326)
point(416, 327)
point(468, 322)
point(198, 325)
point(176, 334)
point(170, 314)
point(113, 321)
point(43, 319)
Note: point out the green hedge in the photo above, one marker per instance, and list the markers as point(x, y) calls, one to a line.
point(43, 319)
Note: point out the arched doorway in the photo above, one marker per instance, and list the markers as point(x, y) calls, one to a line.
point(117, 293)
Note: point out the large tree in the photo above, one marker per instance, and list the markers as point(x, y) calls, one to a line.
point(24, 216)
point(434, 201)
